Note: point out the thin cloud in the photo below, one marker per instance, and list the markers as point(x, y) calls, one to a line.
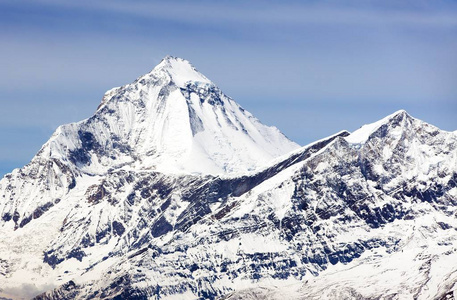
point(253, 12)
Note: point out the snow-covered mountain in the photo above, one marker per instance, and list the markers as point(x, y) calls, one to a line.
point(171, 120)
point(172, 190)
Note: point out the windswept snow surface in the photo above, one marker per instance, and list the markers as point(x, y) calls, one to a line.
point(171, 190)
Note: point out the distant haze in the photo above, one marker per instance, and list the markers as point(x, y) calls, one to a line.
point(309, 68)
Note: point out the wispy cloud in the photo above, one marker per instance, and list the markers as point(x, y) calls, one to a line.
point(413, 13)
point(292, 13)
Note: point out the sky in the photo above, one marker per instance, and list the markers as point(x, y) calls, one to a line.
point(310, 68)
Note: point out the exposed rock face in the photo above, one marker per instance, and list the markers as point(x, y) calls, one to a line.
point(147, 199)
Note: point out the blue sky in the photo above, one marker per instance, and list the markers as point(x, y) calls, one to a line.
point(311, 68)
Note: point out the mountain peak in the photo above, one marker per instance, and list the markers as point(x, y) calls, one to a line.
point(174, 59)
point(361, 135)
point(171, 120)
point(180, 70)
